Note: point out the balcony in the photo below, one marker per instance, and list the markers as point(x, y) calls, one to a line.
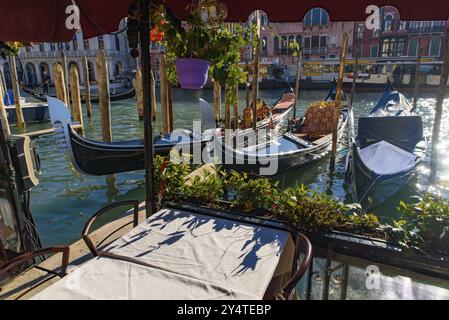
point(322, 50)
point(421, 30)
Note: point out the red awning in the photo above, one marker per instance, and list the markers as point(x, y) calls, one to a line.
point(339, 10)
point(45, 20)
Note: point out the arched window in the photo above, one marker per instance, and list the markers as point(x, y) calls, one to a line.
point(91, 70)
point(118, 69)
point(117, 42)
point(435, 45)
point(284, 43)
point(276, 43)
point(44, 70)
point(264, 44)
point(316, 17)
point(299, 41)
point(413, 48)
point(30, 71)
point(388, 22)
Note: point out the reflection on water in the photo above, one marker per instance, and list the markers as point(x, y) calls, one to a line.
point(65, 199)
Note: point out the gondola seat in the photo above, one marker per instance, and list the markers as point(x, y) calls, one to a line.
point(318, 120)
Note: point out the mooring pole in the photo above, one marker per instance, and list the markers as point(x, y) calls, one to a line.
point(139, 92)
point(298, 77)
point(66, 75)
point(61, 93)
point(15, 87)
point(217, 101)
point(439, 111)
point(256, 70)
point(2, 106)
point(76, 96)
point(170, 105)
point(148, 128)
point(163, 89)
point(417, 78)
point(104, 96)
point(87, 87)
point(338, 99)
point(354, 79)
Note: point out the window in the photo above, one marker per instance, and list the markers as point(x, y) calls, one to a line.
point(375, 34)
point(393, 47)
point(100, 42)
point(374, 50)
point(426, 26)
point(323, 42)
point(86, 44)
point(284, 43)
point(402, 25)
point(41, 47)
point(264, 20)
point(316, 17)
point(413, 48)
point(60, 46)
point(276, 43)
point(388, 22)
point(315, 41)
point(307, 42)
point(52, 46)
point(264, 44)
point(359, 31)
point(75, 44)
point(435, 45)
point(67, 46)
point(358, 51)
point(28, 49)
point(117, 43)
point(299, 41)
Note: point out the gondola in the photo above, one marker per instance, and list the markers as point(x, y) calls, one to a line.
point(32, 112)
point(386, 151)
point(127, 94)
point(102, 158)
point(292, 149)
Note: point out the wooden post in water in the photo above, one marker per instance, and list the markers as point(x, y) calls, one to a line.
point(439, 111)
point(163, 89)
point(298, 77)
point(153, 98)
point(87, 87)
point(66, 76)
point(338, 98)
point(139, 92)
point(247, 83)
point(3, 114)
point(15, 87)
point(104, 96)
point(354, 79)
point(417, 78)
point(228, 94)
point(217, 101)
point(236, 106)
point(76, 96)
point(170, 105)
point(256, 70)
point(61, 93)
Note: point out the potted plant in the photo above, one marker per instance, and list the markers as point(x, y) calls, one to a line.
point(186, 44)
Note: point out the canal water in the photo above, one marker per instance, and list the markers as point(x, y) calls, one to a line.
point(65, 199)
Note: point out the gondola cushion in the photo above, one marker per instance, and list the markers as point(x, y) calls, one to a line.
point(318, 118)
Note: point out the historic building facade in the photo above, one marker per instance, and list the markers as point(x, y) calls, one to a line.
point(38, 60)
point(398, 38)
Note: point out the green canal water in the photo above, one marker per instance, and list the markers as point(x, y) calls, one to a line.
point(65, 199)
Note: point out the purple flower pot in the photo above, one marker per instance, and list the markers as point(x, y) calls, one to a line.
point(192, 73)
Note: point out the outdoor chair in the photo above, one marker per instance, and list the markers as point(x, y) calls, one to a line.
point(13, 264)
point(85, 234)
point(288, 291)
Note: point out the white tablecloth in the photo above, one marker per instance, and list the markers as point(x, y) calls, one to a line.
point(185, 256)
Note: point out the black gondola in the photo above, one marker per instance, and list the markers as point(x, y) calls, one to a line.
point(384, 155)
point(102, 158)
point(126, 94)
point(288, 150)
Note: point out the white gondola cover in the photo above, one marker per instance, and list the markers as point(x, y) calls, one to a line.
point(384, 158)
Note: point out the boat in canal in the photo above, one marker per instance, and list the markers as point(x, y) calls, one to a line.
point(384, 154)
point(32, 111)
point(103, 158)
point(114, 96)
point(296, 147)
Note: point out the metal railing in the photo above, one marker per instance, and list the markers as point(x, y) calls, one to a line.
point(72, 54)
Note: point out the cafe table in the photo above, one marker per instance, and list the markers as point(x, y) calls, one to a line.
point(177, 254)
